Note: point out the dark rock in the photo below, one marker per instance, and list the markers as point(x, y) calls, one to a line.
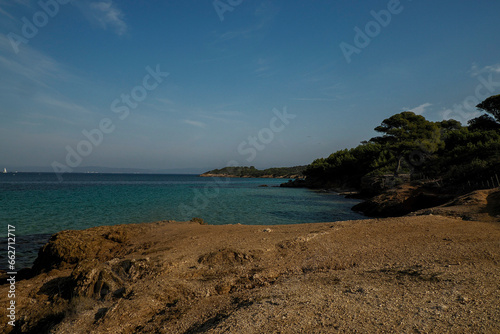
point(400, 201)
point(198, 220)
point(94, 279)
point(98, 280)
point(72, 247)
point(297, 183)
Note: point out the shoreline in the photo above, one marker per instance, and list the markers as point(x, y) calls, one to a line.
point(248, 176)
point(438, 267)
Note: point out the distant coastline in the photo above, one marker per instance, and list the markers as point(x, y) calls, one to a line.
point(268, 176)
point(252, 172)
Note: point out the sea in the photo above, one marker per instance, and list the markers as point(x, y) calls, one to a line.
point(37, 205)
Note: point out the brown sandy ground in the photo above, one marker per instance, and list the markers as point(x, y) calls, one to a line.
point(433, 272)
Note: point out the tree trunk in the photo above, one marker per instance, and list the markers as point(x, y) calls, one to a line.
point(398, 167)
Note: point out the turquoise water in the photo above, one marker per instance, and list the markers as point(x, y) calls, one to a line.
point(38, 205)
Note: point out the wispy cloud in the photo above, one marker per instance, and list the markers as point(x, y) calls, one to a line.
point(312, 99)
point(224, 116)
point(38, 119)
point(261, 23)
point(264, 68)
point(266, 11)
point(12, 3)
point(264, 14)
point(164, 100)
point(161, 104)
point(67, 106)
point(104, 14)
point(26, 3)
point(228, 113)
point(30, 67)
point(476, 70)
point(420, 109)
point(493, 68)
point(323, 72)
point(4, 12)
point(263, 65)
point(216, 59)
point(31, 88)
point(195, 123)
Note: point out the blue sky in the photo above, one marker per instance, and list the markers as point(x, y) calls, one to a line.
point(275, 71)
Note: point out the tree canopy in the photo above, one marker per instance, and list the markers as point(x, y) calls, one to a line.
point(491, 105)
point(254, 172)
point(411, 144)
point(483, 122)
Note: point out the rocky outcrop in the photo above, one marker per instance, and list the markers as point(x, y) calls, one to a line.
point(107, 280)
point(401, 201)
point(71, 247)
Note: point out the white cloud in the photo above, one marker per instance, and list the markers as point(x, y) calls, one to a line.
point(476, 70)
point(492, 68)
point(421, 108)
point(108, 15)
point(104, 14)
point(195, 123)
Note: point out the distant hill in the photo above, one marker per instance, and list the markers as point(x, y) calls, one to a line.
point(278, 172)
point(101, 169)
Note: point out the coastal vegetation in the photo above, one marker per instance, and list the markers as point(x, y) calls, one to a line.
point(412, 146)
point(277, 172)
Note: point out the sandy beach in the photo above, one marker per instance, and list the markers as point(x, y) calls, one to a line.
point(435, 271)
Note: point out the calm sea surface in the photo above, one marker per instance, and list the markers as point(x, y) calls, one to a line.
point(37, 204)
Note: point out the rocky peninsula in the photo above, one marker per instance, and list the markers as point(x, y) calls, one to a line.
point(435, 270)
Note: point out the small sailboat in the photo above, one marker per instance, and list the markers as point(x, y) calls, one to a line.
point(5, 170)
